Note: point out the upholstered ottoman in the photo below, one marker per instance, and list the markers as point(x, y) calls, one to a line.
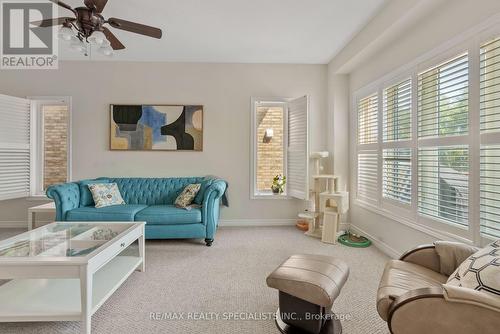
point(308, 286)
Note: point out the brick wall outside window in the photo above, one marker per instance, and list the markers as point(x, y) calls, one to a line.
point(269, 154)
point(55, 145)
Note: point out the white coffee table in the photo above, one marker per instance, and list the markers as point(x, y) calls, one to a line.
point(66, 271)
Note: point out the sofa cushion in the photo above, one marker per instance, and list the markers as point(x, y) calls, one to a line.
point(400, 277)
point(85, 194)
point(125, 212)
point(168, 215)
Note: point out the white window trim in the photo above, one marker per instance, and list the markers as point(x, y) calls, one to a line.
point(254, 194)
point(470, 42)
point(36, 145)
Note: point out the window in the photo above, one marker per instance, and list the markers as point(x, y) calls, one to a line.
point(271, 149)
point(367, 158)
point(443, 183)
point(52, 143)
point(490, 138)
point(397, 112)
point(443, 97)
point(367, 120)
point(14, 147)
point(397, 162)
point(433, 157)
point(280, 146)
point(397, 174)
point(368, 175)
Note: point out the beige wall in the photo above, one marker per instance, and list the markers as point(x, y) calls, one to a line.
point(405, 31)
point(225, 91)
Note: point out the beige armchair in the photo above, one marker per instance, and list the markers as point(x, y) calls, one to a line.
point(413, 296)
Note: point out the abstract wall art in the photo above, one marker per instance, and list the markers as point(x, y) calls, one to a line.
point(156, 127)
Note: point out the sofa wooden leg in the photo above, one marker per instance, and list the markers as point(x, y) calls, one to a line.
point(209, 242)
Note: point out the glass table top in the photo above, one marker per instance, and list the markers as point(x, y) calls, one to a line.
point(62, 240)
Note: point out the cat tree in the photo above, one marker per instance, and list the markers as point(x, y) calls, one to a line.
point(328, 203)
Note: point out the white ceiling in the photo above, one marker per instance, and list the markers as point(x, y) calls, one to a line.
point(236, 31)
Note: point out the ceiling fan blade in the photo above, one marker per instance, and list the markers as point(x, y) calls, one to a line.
point(62, 4)
point(115, 43)
point(135, 27)
point(97, 4)
point(52, 22)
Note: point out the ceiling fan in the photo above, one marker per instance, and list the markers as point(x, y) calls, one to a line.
point(89, 25)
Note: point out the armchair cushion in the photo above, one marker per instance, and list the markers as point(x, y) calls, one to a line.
point(452, 254)
point(480, 271)
point(400, 277)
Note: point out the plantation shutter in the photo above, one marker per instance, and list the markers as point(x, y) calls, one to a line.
point(490, 154)
point(368, 120)
point(397, 174)
point(490, 191)
point(443, 98)
point(443, 183)
point(397, 112)
point(368, 175)
point(298, 148)
point(14, 147)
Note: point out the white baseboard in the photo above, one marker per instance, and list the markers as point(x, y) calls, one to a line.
point(15, 224)
point(256, 222)
point(382, 246)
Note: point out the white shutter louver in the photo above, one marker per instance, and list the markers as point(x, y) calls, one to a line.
point(368, 175)
point(443, 98)
point(490, 191)
point(368, 120)
point(397, 112)
point(397, 174)
point(443, 183)
point(298, 148)
point(490, 86)
point(14, 147)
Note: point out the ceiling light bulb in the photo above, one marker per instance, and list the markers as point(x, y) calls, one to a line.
point(79, 46)
point(106, 50)
point(65, 33)
point(97, 38)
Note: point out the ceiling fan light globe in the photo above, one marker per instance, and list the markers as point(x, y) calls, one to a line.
point(78, 46)
point(97, 38)
point(106, 50)
point(65, 33)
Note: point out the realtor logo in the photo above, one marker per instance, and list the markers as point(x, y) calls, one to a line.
point(26, 45)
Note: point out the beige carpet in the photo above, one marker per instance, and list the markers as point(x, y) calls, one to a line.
point(227, 279)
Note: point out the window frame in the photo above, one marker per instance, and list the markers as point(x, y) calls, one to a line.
point(267, 101)
point(37, 102)
point(469, 42)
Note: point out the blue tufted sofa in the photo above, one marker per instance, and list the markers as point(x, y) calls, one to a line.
point(147, 199)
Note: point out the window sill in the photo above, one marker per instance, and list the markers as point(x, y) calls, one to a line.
point(270, 196)
point(442, 235)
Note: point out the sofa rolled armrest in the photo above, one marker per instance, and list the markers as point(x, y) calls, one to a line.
point(211, 206)
point(424, 255)
point(441, 314)
point(66, 197)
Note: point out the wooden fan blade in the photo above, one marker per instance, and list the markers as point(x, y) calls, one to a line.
point(52, 22)
point(97, 4)
point(115, 43)
point(135, 27)
point(62, 4)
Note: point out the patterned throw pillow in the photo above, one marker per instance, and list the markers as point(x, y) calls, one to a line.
point(481, 271)
point(106, 194)
point(187, 196)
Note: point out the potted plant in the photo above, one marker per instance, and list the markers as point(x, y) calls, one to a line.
point(279, 182)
